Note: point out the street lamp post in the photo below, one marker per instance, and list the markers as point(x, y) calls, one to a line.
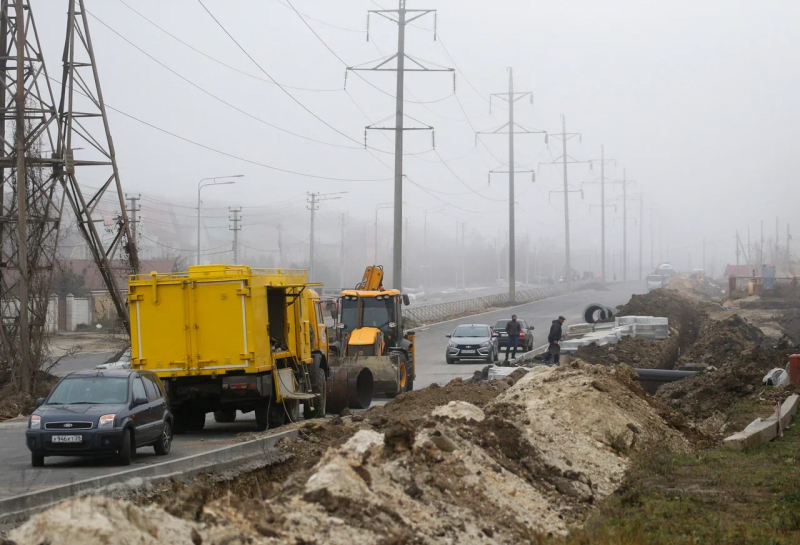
point(201, 185)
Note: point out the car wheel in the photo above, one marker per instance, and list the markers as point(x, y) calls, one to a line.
point(126, 450)
point(37, 460)
point(490, 357)
point(450, 361)
point(164, 443)
point(225, 416)
point(497, 355)
point(321, 403)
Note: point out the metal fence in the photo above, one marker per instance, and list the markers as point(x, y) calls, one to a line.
point(442, 311)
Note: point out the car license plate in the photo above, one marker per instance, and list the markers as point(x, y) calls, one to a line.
point(468, 351)
point(67, 439)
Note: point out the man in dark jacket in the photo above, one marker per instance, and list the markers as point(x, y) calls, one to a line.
point(513, 329)
point(554, 337)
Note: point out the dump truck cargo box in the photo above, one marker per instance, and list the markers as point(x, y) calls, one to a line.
point(217, 319)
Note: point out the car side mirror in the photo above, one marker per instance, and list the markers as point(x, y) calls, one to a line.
point(531, 328)
point(406, 300)
point(448, 336)
point(40, 401)
point(140, 401)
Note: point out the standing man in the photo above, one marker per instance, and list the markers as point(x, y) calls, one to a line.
point(513, 329)
point(554, 338)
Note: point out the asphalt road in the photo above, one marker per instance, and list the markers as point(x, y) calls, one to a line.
point(17, 475)
point(431, 341)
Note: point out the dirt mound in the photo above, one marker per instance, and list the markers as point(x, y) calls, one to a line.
point(721, 342)
point(547, 448)
point(684, 316)
point(418, 404)
point(13, 403)
point(635, 352)
point(789, 321)
point(709, 398)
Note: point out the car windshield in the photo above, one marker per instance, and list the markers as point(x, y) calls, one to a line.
point(84, 390)
point(471, 331)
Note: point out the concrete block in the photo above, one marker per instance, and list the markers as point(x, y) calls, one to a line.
point(789, 410)
point(762, 432)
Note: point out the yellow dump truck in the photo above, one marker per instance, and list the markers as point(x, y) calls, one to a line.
point(224, 338)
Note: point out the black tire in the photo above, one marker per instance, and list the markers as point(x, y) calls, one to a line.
point(164, 443)
point(277, 415)
point(262, 416)
point(490, 357)
point(321, 403)
point(225, 416)
point(450, 361)
point(127, 449)
point(37, 460)
point(496, 355)
point(292, 406)
point(179, 423)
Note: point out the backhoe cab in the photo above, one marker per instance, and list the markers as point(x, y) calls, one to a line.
point(370, 332)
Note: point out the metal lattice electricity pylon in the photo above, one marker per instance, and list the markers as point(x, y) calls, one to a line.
point(84, 125)
point(30, 199)
point(401, 17)
point(512, 128)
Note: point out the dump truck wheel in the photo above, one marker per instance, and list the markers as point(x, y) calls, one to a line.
point(226, 416)
point(262, 415)
point(195, 421)
point(321, 403)
point(276, 415)
point(179, 425)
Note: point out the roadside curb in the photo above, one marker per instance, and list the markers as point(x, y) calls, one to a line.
point(18, 507)
point(766, 430)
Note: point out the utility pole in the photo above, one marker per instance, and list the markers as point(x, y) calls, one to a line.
point(463, 261)
point(761, 251)
point(565, 160)
point(704, 254)
point(777, 247)
point(652, 265)
point(236, 219)
point(641, 232)
point(313, 205)
point(343, 225)
point(603, 205)
point(512, 128)
point(133, 209)
point(788, 255)
point(401, 17)
point(527, 257)
point(738, 252)
point(625, 181)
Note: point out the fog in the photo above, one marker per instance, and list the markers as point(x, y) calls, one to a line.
point(697, 101)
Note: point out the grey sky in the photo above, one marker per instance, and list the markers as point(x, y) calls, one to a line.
point(699, 101)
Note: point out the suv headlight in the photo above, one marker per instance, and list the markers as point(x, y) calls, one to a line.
point(486, 344)
point(452, 344)
point(106, 421)
point(36, 422)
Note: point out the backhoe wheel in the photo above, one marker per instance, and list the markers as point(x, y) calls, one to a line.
point(403, 386)
point(225, 416)
point(321, 402)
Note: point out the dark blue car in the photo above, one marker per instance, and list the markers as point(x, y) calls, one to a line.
point(101, 412)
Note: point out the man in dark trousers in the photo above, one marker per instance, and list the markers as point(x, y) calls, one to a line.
point(554, 337)
point(513, 329)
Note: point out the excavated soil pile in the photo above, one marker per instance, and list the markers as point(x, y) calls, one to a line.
point(634, 352)
point(13, 403)
point(529, 462)
point(709, 397)
point(720, 343)
point(684, 316)
point(789, 320)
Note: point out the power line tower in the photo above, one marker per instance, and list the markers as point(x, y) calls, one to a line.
point(84, 125)
point(603, 162)
point(236, 219)
point(624, 182)
point(511, 129)
point(565, 160)
point(134, 221)
point(31, 202)
point(401, 17)
point(313, 205)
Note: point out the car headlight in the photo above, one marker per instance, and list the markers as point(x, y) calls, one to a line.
point(106, 421)
point(36, 422)
point(486, 344)
point(452, 344)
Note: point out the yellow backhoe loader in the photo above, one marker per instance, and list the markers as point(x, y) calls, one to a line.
point(370, 334)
